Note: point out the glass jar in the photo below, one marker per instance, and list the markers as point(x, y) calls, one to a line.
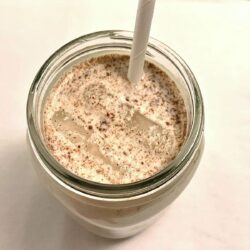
point(115, 211)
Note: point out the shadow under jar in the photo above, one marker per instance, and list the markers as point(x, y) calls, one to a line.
point(115, 210)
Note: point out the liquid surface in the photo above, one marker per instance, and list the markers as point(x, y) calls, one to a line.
point(103, 128)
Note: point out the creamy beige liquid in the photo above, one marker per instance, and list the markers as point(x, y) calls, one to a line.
point(103, 128)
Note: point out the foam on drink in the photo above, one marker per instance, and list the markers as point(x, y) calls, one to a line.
point(103, 128)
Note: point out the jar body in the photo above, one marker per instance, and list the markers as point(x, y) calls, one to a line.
point(115, 218)
point(111, 217)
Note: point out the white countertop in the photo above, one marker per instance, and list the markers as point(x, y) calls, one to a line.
point(214, 39)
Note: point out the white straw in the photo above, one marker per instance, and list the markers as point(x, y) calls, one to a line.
point(144, 17)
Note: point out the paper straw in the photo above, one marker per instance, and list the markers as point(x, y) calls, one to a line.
point(144, 17)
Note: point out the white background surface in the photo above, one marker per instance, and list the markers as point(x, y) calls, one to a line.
point(214, 38)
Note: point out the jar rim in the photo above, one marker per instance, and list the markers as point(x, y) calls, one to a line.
point(127, 189)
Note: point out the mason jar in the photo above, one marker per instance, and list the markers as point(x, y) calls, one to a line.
point(115, 210)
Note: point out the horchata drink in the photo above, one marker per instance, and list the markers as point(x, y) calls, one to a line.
point(114, 153)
